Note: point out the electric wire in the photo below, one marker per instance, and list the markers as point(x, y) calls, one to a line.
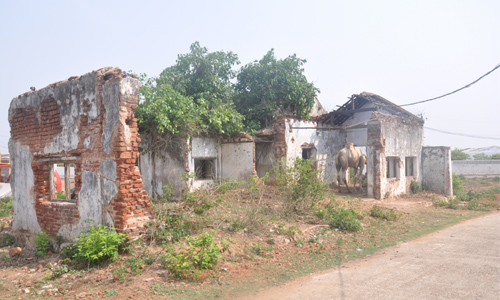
point(435, 98)
point(464, 134)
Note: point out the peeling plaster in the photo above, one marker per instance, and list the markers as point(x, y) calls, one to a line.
point(89, 207)
point(22, 183)
point(112, 106)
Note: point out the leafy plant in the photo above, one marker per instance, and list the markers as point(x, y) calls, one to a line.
point(302, 185)
point(262, 250)
point(201, 253)
point(7, 240)
point(42, 243)
point(341, 218)
point(167, 226)
point(415, 187)
point(99, 244)
point(6, 207)
point(270, 87)
point(194, 96)
point(457, 184)
point(199, 203)
point(69, 251)
point(387, 214)
point(58, 270)
point(439, 202)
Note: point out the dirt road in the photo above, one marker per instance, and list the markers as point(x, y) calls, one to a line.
point(461, 262)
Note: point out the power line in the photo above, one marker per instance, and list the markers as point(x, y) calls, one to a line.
point(432, 99)
point(467, 135)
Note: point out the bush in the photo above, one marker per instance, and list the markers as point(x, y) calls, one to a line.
point(69, 251)
point(302, 184)
point(438, 202)
point(6, 207)
point(167, 226)
point(7, 240)
point(341, 218)
point(99, 244)
point(415, 187)
point(457, 184)
point(387, 214)
point(42, 243)
point(201, 253)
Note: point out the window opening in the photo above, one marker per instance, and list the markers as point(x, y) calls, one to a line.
point(310, 153)
point(392, 167)
point(204, 168)
point(62, 181)
point(410, 166)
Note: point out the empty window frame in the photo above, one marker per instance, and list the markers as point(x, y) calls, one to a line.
point(310, 153)
point(392, 167)
point(204, 168)
point(411, 166)
point(62, 182)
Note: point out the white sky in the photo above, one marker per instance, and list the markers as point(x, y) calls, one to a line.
point(405, 51)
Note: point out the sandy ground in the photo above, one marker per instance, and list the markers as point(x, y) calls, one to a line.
point(461, 262)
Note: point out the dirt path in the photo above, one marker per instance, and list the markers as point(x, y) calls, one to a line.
point(461, 262)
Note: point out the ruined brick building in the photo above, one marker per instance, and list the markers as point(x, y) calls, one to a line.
point(74, 146)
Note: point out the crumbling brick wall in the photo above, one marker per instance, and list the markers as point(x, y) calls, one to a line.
point(88, 122)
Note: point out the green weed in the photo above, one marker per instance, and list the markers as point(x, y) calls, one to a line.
point(99, 244)
point(6, 207)
point(7, 240)
point(387, 214)
point(42, 243)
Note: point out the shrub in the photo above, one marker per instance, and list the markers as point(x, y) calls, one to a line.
point(99, 244)
point(69, 251)
point(387, 214)
point(6, 207)
point(167, 227)
point(341, 218)
point(199, 203)
point(201, 253)
point(415, 187)
point(7, 240)
point(457, 184)
point(438, 202)
point(42, 243)
point(301, 184)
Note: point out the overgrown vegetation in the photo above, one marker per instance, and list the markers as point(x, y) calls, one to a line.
point(380, 212)
point(99, 244)
point(6, 207)
point(200, 253)
point(188, 239)
point(6, 240)
point(42, 243)
point(302, 184)
point(415, 187)
point(197, 96)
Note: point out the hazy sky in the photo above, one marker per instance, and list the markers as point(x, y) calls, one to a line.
point(405, 51)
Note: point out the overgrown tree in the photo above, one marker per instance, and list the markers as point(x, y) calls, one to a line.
point(458, 154)
point(270, 87)
point(192, 97)
point(495, 156)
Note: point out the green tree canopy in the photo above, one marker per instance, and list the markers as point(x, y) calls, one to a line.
point(192, 97)
point(481, 156)
point(495, 156)
point(270, 87)
point(457, 154)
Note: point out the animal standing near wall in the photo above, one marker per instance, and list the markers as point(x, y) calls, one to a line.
point(349, 157)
